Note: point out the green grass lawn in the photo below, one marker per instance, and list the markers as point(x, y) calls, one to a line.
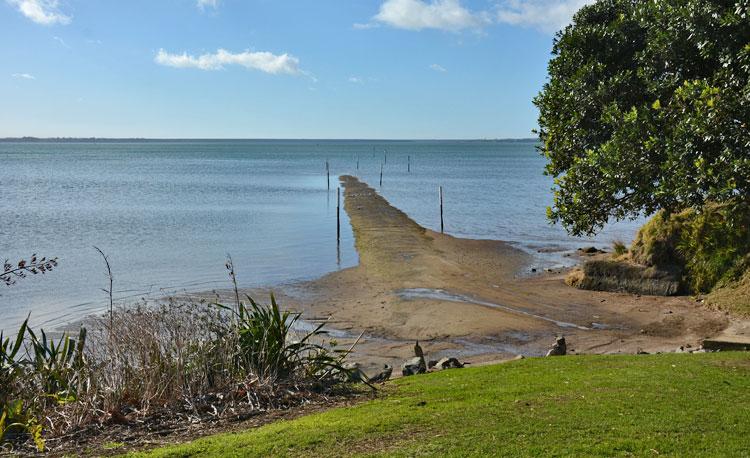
point(670, 404)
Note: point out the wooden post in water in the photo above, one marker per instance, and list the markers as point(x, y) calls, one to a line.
point(440, 192)
point(357, 161)
point(381, 174)
point(328, 175)
point(408, 164)
point(338, 215)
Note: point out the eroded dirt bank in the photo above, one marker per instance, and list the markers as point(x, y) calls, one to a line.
point(464, 297)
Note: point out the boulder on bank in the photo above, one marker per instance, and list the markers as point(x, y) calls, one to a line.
point(383, 376)
point(622, 276)
point(353, 372)
point(447, 363)
point(559, 348)
point(590, 250)
point(414, 366)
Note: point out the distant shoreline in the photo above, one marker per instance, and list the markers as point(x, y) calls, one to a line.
point(172, 140)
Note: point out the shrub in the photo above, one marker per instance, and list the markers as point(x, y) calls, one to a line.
point(264, 348)
point(619, 248)
point(709, 246)
point(165, 363)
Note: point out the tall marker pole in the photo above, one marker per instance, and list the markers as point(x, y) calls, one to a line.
point(440, 192)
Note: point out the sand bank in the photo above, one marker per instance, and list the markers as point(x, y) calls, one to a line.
point(468, 298)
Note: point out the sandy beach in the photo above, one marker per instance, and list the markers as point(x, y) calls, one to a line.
point(474, 299)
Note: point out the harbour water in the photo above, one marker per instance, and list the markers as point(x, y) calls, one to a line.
point(167, 213)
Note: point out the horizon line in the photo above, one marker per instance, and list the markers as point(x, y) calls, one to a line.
point(33, 138)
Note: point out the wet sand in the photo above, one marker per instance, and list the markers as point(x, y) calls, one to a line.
point(471, 299)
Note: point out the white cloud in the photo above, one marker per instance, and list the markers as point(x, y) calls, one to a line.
point(429, 14)
point(24, 76)
point(264, 61)
point(546, 15)
point(356, 80)
point(438, 68)
point(203, 4)
point(41, 11)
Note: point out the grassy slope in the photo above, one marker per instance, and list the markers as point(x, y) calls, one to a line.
point(733, 297)
point(676, 404)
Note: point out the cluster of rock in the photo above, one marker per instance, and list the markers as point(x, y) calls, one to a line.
point(417, 364)
point(590, 250)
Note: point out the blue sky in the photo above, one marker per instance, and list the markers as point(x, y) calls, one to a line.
point(275, 68)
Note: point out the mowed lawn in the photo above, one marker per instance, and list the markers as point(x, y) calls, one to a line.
point(646, 405)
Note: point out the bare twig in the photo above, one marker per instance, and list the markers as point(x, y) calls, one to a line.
point(230, 267)
point(108, 291)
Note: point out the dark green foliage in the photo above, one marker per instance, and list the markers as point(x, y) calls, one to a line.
point(264, 346)
point(9, 366)
point(57, 366)
point(647, 107)
point(45, 373)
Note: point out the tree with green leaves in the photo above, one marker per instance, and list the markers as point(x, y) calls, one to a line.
point(647, 107)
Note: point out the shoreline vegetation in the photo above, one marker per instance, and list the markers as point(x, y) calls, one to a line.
point(705, 253)
point(151, 372)
point(141, 372)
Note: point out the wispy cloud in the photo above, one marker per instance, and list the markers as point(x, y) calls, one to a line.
point(44, 12)
point(356, 79)
point(546, 15)
point(203, 4)
point(365, 26)
point(447, 15)
point(264, 61)
point(438, 68)
point(61, 41)
point(24, 76)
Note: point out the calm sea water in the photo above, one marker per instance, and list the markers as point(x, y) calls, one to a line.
point(168, 213)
